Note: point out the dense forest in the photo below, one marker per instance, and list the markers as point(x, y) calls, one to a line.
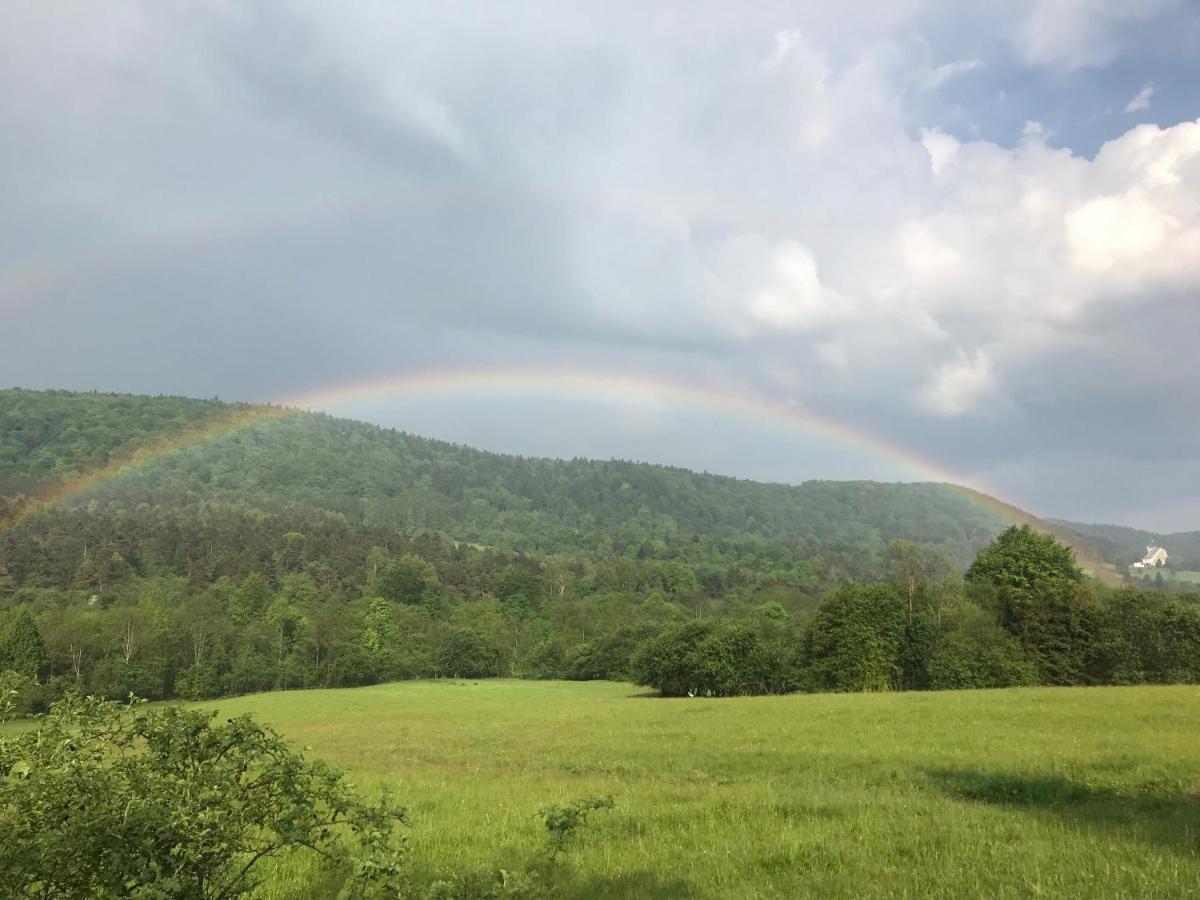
point(303, 551)
point(381, 477)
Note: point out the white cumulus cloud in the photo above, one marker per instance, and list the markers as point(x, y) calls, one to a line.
point(790, 198)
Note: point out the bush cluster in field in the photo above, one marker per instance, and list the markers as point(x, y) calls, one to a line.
point(1024, 617)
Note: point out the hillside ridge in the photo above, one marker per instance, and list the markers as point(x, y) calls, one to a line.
point(382, 476)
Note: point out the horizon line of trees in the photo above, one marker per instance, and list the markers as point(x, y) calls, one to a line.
point(1023, 614)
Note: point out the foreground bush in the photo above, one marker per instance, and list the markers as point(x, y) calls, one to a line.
point(107, 800)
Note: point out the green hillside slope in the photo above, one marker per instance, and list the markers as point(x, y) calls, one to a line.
point(381, 477)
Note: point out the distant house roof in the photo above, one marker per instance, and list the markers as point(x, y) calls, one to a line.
point(1154, 555)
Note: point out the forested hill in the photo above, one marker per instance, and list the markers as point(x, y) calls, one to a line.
point(387, 479)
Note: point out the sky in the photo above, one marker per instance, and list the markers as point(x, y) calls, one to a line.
point(966, 234)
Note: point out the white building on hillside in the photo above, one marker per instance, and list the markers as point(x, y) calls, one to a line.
point(1155, 556)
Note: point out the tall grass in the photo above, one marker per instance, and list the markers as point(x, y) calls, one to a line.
point(1019, 793)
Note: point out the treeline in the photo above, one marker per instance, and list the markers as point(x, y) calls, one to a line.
point(383, 607)
point(213, 599)
point(312, 551)
point(102, 545)
point(1024, 615)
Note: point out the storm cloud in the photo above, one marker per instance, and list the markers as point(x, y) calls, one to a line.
point(949, 228)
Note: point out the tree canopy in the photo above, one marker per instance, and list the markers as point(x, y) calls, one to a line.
point(1020, 558)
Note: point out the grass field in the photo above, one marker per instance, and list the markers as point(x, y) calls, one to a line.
point(1019, 793)
point(1184, 576)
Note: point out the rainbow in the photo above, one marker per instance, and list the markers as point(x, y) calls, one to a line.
point(132, 459)
point(654, 391)
point(621, 387)
point(597, 385)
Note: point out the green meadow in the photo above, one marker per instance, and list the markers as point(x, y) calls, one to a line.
point(1179, 576)
point(1039, 792)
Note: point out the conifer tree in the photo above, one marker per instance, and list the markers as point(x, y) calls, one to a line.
point(21, 647)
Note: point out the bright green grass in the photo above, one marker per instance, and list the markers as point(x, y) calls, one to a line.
point(1018, 793)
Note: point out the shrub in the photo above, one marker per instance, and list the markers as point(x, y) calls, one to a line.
point(973, 651)
point(104, 800)
point(21, 647)
point(856, 640)
point(608, 658)
point(563, 821)
point(468, 653)
point(707, 659)
point(544, 660)
point(23, 692)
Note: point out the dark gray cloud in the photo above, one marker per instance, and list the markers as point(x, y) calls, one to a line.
point(940, 228)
